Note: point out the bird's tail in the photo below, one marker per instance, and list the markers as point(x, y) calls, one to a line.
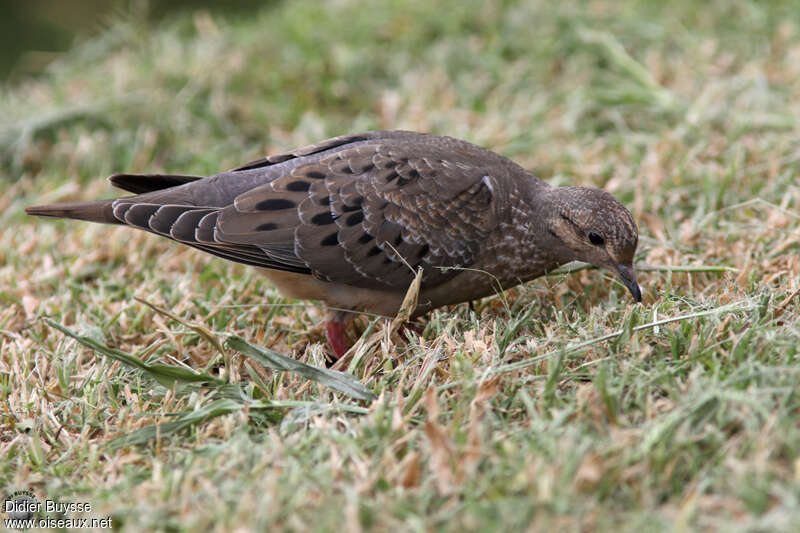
point(97, 211)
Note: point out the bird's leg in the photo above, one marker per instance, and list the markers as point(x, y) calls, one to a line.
point(411, 327)
point(335, 324)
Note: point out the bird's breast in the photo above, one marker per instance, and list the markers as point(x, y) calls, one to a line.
point(335, 295)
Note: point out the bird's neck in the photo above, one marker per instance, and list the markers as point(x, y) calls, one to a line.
point(522, 247)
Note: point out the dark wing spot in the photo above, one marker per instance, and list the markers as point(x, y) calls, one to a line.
point(267, 226)
point(391, 164)
point(365, 238)
point(374, 251)
point(350, 208)
point(274, 204)
point(330, 240)
point(315, 174)
point(398, 240)
point(355, 218)
point(423, 251)
point(322, 219)
point(298, 186)
point(325, 201)
point(401, 181)
point(367, 168)
point(414, 173)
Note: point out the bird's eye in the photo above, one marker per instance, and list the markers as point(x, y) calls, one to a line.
point(596, 239)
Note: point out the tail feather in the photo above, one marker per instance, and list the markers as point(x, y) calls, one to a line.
point(98, 211)
point(142, 183)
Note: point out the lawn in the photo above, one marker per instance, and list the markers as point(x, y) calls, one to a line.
point(152, 381)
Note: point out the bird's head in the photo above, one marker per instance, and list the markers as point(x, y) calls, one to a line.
point(590, 225)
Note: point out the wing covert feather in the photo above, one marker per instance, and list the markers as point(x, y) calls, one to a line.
point(371, 214)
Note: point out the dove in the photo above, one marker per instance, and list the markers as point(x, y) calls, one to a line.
point(350, 220)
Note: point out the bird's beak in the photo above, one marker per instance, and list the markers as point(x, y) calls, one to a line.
point(627, 274)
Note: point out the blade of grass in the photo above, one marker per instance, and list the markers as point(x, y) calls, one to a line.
point(340, 381)
point(641, 267)
point(363, 346)
point(145, 434)
point(217, 408)
point(164, 374)
point(511, 367)
point(200, 330)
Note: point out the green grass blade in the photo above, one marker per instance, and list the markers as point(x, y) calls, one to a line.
point(164, 374)
point(205, 413)
point(518, 365)
point(340, 381)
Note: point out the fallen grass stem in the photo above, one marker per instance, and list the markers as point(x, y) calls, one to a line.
point(519, 365)
point(641, 267)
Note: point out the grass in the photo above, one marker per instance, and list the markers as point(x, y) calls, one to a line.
point(560, 404)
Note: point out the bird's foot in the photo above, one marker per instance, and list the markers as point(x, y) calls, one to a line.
point(334, 332)
point(411, 327)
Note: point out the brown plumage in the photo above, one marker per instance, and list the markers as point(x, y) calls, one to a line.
point(349, 220)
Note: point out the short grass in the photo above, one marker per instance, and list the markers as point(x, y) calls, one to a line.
point(561, 405)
